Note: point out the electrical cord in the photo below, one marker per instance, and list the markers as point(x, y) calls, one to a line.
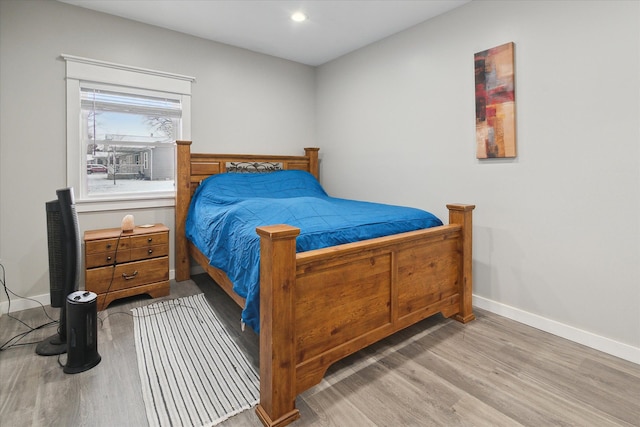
point(15, 340)
point(113, 272)
point(163, 307)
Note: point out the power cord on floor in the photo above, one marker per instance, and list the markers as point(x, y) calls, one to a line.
point(15, 340)
point(164, 306)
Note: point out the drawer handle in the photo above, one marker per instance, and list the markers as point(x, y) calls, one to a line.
point(108, 258)
point(125, 276)
point(108, 245)
point(150, 239)
point(150, 251)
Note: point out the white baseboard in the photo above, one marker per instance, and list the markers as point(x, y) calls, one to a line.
point(18, 304)
point(597, 342)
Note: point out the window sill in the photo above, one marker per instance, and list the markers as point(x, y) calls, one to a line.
point(139, 202)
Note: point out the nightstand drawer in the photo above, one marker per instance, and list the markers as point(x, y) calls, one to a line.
point(127, 275)
point(107, 258)
point(149, 240)
point(106, 245)
point(149, 252)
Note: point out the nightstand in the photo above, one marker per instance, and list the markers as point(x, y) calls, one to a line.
point(121, 264)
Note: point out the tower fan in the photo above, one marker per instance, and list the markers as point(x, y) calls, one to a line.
point(63, 238)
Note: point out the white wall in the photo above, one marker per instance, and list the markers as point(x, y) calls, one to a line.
point(556, 230)
point(242, 102)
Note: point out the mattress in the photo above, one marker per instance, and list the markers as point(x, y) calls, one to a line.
point(227, 208)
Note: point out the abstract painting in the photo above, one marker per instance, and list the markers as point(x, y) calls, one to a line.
point(495, 103)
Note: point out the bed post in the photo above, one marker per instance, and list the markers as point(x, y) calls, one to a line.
point(183, 195)
point(462, 214)
point(312, 153)
point(277, 328)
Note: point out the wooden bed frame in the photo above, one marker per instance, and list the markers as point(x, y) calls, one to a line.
point(320, 306)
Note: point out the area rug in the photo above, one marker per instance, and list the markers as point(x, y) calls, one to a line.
point(192, 372)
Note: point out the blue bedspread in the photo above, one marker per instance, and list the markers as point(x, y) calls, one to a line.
point(226, 209)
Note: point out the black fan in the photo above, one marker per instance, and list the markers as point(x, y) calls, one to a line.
point(63, 236)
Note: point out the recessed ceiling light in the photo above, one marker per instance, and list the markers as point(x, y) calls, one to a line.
point(299, 17)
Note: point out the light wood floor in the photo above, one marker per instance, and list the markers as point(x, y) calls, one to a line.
point(490, 372)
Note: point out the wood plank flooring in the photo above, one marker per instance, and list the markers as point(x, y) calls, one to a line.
point(490, 372)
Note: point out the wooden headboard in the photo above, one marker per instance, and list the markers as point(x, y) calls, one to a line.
point(194, 167)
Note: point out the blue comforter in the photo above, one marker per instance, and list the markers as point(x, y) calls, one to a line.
point(226, 209)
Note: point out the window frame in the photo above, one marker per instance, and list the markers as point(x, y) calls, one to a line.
point(90, 71)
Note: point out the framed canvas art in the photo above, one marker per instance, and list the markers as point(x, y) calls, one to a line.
point(495, 103)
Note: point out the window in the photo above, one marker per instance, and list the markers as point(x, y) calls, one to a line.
point(122, 124)
point(118, 127)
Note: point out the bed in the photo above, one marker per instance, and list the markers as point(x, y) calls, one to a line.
point(321, 305)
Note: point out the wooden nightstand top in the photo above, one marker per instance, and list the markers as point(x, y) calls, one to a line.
point(110, 233)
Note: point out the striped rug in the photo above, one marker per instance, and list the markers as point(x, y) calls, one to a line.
point(192, 372)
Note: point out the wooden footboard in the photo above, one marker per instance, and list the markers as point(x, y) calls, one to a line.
point(319, 306)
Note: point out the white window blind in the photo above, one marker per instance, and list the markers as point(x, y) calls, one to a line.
point(104, 100)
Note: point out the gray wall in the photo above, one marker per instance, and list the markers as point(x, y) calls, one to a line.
point(241, 102)
point(557, 234)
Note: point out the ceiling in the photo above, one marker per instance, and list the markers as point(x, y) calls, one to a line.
point(333, 28)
